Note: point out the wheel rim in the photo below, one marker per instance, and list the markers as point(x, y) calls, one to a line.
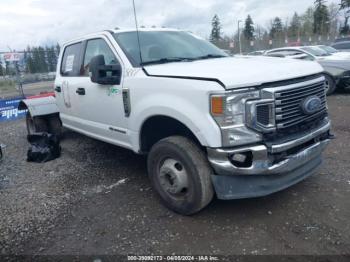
point(173, 178)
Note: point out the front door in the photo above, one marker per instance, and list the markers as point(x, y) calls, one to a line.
point(100, 107)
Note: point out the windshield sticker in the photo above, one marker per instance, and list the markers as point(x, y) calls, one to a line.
point(69, 63)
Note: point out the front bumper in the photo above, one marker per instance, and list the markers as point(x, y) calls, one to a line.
point(272, 168)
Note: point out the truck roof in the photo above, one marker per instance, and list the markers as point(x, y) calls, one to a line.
point(116, 30)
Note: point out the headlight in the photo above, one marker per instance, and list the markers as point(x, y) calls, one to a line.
point(228, 110)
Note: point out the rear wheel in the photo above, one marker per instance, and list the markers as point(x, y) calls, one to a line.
point(330, 85)
point(181, 174)
point(35, 124)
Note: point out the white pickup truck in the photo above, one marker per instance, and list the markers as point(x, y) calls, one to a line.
point(237, 127)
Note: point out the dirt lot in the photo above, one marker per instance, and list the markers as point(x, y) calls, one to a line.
point(96, 200)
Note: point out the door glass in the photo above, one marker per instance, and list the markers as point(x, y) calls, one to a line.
point(97, 47)
point(70, 61)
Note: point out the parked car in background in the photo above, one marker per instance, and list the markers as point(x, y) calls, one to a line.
point(336, 53)
point(337, 70)
point(257, 53)
point(342, 46)
point(342, 39)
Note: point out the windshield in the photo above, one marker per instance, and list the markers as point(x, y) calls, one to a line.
point(315, 51)
point(166, 46)
point(329, 49)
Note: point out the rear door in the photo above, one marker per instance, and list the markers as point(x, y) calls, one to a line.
point(66, 83)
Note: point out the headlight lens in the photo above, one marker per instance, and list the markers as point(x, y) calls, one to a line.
point(229, 109)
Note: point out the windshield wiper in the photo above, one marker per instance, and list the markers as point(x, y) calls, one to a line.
point(167, 60)
point(209, 56)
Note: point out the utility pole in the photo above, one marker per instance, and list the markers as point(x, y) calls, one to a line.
point(239, 37)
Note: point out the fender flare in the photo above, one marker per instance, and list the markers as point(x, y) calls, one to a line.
point(39, 106)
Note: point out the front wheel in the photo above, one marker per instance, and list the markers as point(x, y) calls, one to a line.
point(181, 174)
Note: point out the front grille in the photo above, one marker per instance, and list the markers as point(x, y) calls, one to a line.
point(263, 114)
point(288, 105)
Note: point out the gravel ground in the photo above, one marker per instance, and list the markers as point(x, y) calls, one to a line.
point(96, 200)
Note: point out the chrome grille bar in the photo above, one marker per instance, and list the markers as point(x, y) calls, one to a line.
point(288, 101)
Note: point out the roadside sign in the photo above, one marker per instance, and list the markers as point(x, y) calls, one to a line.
point(9, 109)
point(12, 57)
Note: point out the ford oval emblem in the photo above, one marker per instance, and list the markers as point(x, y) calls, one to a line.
point(311, 105)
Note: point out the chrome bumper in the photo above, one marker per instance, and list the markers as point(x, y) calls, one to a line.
point(263, 162)
point(269, 172)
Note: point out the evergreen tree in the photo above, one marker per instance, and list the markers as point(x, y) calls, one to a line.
point(7, 68)
point(1, 69)
point(321, 18)
point(215, 35)
point(43, 68)
point(249, 29)
point(29, 61)
point(294, 28)
point(276, 28)
point(307, 22)
point(334, 19)
point(345, 5)
point(57, 50)
point(277, 32)
point(51, 58)
point(36, 60)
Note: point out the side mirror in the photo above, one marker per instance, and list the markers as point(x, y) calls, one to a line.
point(103, 74)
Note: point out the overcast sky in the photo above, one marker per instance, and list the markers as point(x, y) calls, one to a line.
point(34, 22)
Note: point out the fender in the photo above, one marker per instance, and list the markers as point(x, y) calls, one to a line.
point(40, 106)
point(201, 124)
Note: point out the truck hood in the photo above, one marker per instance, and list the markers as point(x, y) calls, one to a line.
point(236, 72)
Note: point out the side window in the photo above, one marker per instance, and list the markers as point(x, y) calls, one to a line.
point(97, 47)
point(71, 60)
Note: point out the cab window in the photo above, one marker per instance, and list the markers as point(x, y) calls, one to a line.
point(71, 60)
point(96, 47)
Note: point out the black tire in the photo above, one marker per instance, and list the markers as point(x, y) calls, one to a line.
point(36, 124)
point(55, 125)
point(192, 161)
point(331, 85)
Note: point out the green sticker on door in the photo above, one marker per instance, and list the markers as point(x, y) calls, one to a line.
point(113, 91)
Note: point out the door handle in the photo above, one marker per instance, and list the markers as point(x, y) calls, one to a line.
point(81, 91)
point(58, 89)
